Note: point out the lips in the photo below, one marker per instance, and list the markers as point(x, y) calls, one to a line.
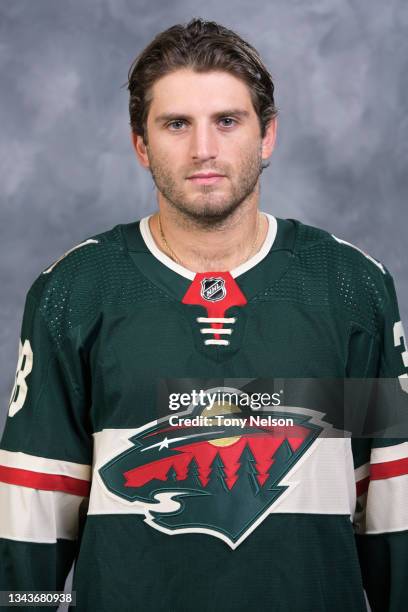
point(206, 179)
point(209, 175)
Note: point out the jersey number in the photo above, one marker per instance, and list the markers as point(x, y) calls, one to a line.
point(398, 336)
point(24, 367)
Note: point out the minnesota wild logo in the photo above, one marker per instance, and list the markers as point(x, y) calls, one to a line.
point(209, 479)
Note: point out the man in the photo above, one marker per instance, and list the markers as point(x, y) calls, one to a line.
point(135, 332)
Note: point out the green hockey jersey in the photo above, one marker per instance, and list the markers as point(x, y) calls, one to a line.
point(97, 465)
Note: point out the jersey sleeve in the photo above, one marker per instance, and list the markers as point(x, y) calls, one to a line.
point(45, 459)
point(381, 521)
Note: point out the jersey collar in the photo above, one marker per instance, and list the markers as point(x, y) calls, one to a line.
point(179, 269)
point(260, 271)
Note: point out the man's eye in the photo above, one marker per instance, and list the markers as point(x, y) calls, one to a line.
point(230, 121)
point(176, 123)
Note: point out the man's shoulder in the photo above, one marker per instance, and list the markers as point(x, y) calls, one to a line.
point(84, 262)
point(330, 271)
point(323, 247)
point(87, 279)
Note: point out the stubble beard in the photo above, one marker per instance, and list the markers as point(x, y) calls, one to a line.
point(207, 207)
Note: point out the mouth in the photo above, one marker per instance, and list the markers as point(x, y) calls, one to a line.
point(206, 179)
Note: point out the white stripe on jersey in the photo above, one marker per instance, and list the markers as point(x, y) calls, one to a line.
point(389, 453)
point(30, 515)
point(387, 505)
point(23, 461)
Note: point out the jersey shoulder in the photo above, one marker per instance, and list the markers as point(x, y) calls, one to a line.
point(93, 275)
point(82, 262)
point(342, 275)
point(318, 244)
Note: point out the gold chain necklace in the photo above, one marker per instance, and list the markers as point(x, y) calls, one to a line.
point(178, 260)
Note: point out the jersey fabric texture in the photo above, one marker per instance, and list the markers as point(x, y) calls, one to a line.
point(89, 472)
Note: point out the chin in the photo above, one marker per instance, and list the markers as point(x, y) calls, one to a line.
point(210, 211)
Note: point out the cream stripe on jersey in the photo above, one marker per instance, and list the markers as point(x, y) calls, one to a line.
point(389, 453)
point(33, 463)
point(387, 505)
point(30, 515)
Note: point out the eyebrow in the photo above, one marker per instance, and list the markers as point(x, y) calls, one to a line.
point(236, 112)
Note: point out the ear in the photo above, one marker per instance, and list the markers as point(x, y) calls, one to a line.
point(140, 149)
point(268, 141)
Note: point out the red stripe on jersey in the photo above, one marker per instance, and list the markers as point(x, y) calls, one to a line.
point(389, 469)
point(362, 486)
point(44, 482)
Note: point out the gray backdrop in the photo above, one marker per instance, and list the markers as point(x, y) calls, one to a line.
point(67, 168)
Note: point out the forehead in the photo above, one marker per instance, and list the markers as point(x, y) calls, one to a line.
point(187, 91)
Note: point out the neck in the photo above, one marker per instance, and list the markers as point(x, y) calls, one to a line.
point(202, 247)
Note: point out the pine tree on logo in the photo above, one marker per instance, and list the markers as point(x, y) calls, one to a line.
point(171, 475)
point(193, 475)
point(218, 476)
point(247, 470)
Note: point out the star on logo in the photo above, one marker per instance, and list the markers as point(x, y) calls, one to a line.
point(164, 443)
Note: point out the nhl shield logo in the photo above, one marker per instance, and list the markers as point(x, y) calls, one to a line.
point(213, 289)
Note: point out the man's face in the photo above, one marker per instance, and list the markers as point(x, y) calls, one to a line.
point(203, 123)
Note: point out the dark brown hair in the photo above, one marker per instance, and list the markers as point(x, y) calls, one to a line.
point(202, 46)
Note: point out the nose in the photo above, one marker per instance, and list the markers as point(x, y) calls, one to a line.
point(203, 142)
